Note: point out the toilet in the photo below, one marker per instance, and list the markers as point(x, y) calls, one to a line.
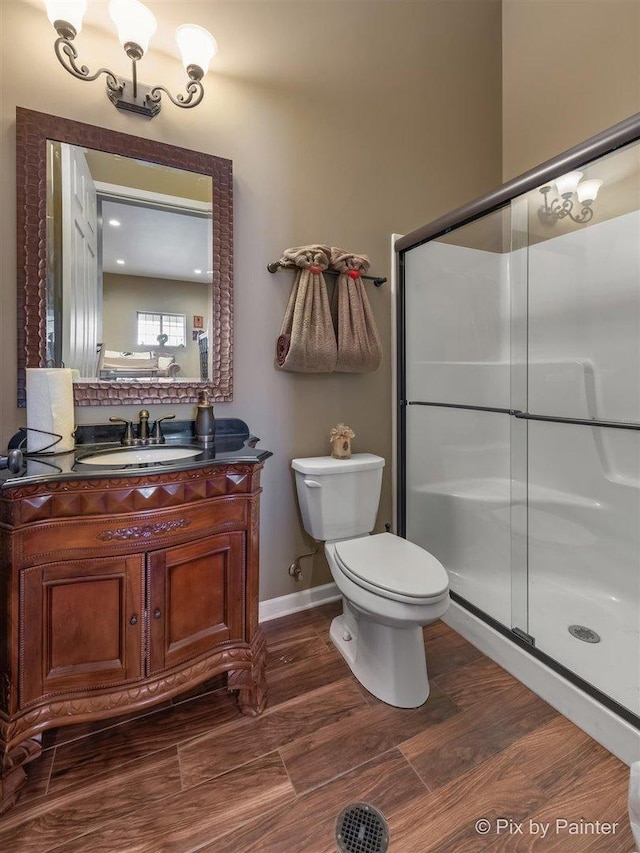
point(390, 587)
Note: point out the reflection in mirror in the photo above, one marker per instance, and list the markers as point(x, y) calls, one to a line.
point(152, 329)
point(129, 267)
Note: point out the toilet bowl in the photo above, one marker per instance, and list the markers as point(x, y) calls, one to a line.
point(390, 587)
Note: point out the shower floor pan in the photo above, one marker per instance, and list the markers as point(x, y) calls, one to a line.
point(612, 665)
point(573, 576)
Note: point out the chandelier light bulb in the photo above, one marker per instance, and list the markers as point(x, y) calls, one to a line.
point(134, 22)
point(196, 45)
point(71, 11)
point(566, 184)
point(587, 191)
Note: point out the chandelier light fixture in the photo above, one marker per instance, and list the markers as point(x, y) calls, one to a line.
point(135, 24)
point(574, 198)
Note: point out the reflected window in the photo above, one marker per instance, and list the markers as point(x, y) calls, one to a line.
point(152, 326)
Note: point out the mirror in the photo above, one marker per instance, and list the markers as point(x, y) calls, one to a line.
point(156, 328)
point(129, 267)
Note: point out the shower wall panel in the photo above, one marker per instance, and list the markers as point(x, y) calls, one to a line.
point(584, 550)
point(584, 322)
point(458, 500)
point(457, 321)
point(457, 384)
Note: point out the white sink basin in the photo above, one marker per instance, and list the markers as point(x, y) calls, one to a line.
point(139, 455)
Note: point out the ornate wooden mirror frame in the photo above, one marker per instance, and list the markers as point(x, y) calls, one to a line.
point(33, 129)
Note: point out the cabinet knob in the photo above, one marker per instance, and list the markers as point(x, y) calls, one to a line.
point(133, 620)
point(157, 613)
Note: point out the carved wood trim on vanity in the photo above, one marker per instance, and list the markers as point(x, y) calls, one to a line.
point(142, 531)
point(109, 496)
point(120, 536)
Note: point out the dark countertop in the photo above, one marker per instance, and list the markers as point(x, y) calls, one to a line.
point(233, 444)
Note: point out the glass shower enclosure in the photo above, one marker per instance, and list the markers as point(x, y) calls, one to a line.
point(519, 410)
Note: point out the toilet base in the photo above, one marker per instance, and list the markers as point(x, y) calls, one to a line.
point(388, 661)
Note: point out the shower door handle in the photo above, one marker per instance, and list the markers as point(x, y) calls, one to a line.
point(556, 419)
point(312, 484)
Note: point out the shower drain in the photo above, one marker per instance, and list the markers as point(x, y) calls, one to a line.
point(361, 828)
point(584, 634)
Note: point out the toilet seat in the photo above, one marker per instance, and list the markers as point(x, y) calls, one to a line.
point(393, 568)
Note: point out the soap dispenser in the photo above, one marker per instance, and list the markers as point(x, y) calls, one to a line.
point(205, 424)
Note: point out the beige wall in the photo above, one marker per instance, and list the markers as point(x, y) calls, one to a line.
point(345, 121)
point(571, 68)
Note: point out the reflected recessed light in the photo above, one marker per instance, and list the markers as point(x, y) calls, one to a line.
point(115, 223)
point(209, 272)
point(198, 272)
point(120, 261)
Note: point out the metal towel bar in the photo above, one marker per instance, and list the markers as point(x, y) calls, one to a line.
point(274, 266)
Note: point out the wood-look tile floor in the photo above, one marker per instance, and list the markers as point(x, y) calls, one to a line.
point(195, 775)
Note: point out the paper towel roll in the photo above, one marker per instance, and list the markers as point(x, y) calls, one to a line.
point(50, 409)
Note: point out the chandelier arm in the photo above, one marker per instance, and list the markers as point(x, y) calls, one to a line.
point(585, 215)
point(194, 88)
point(67, 55)
point(560, 209)
point(545, 193)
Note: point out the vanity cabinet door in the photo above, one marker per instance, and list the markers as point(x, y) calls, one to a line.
point(195, 598)
point(81, 625)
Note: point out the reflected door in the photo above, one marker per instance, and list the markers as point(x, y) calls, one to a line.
point(81, 290)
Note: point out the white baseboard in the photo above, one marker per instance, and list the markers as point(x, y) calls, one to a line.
point(610, 730)
point(296, 601)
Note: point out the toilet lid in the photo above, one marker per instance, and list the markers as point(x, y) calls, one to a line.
point(387, 563)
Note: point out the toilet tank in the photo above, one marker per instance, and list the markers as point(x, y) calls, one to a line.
point(338, 498)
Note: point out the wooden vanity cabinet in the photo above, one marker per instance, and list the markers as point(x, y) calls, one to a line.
point(81, 625)
point(195, 598)
point(118, 593)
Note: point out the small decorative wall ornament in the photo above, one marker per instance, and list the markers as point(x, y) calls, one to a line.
point(340, 438)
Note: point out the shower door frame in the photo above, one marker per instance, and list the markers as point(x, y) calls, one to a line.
point(606, 142)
